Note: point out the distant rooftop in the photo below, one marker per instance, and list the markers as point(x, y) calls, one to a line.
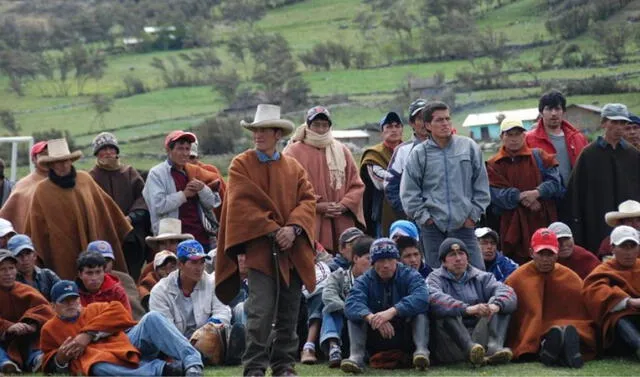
point(350, 134)
point(484, 119)
point(593, 108)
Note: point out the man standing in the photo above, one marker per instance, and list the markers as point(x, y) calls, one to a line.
point(605, 175)
point(18, 205)
point(378, 213)
point(401, 154)
point(271, 221)
point(333, 174)
point(612, 292)
point(555, 135)
point(184, 191)
point(524, 183)
point(445, 188)
point(5, 185)
point(551, 322)
point(41, 279)
point(632, 131)
point(69, 210)
point(124, 185)
point(578, 259)
point(22, 314)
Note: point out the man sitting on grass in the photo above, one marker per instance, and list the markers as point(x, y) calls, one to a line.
point(102, 339)
point(472, 309)
point(494, 261)
point(406, 236)
point(41, 279)
point(387, 312)
point(95, 284)
point(164, 263)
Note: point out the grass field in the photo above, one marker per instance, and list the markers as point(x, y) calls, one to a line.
point(607, 367)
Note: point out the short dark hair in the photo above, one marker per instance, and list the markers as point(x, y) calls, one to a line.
point(404, 242)
point(553, 98)
point(362, 245)
point(431, 108)
point(184, 139)
point(90, 259)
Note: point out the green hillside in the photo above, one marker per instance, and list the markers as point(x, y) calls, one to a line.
point(356, 96)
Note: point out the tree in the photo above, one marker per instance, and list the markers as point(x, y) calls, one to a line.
point(248, 11)
point(88, 64)
point(101, 105)
point(612, 39)
point(227, 84)
point(56, 68)
point(204, 62)
point(20, 66)
point(218, 135)
point(9, 122)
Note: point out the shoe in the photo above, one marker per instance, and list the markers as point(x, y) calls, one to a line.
point(308, 357)
point(502, 356)
point(476, 355)
point(335, 357)
point(254, 373)
point(194, 371)
point(286, 372)
point(236, 344)
point(572, 355)
point(421, 361)
point(37, 363)
point(350, 366)
point(551, 346)
point(9, 367)
point(173, 368)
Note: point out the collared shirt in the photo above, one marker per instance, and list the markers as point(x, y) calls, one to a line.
point(602, 143)
point(43, 280)
point(264, 158)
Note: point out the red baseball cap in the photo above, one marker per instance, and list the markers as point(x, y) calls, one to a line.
point(544, 239)
point(38, 148)
point(179, 134)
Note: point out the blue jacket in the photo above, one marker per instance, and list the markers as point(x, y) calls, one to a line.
point(448, 185)
point(450, 297)
point(395, 169)
point(406, 291)
point(339, 262)
point(501, 267)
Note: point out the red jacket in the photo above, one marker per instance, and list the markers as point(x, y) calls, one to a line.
point(111, 290)
point(576, 141)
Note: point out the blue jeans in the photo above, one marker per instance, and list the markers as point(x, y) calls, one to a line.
point(432, 237)
point(155, 334)
point(238, 314)
point(332, 325)
point(33, 353)
point(145, 368)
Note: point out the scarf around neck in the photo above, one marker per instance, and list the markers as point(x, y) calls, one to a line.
point(68, 181)
point(334, 154)
point(110, 164)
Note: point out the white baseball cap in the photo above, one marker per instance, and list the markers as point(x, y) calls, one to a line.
point(6, 227)
point(561, 230)
point(624, 233)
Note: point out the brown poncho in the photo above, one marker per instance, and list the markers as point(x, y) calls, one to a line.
point(17, 207)
point(63, 221)
point(262, 198)
point(99, 317)
point(546, 300)
point(604, 288)
point(22, 303)
point(123, 185)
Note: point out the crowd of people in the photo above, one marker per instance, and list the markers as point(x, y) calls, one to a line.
point(422, 253)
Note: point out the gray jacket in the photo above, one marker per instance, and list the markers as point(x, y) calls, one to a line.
point(334, 294)
point(447, 185)
point(164, 200)
point(450, 298)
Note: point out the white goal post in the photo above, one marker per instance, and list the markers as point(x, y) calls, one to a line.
point(14, 140)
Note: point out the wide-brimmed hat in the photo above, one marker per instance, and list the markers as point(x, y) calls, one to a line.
point(168, 229)
point(58, 150)
point(626, 210)
point(268, 116)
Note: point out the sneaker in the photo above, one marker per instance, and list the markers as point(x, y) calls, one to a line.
point(173, 368)
point(501, 356)
point(285, 372)
point(194, 371)
point(476, 355)
point(572, 355)
point(236, 344)
point(37, 363)
point(308, 357)
point(421, 361)
point(254, 373)
point(551, 346)
point(350, 366)
point(9, 367)
point(335, 357)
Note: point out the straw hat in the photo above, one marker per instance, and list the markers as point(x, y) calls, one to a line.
point(626, 210)
point(168, 229)
point(58, 150)
point(268, 116)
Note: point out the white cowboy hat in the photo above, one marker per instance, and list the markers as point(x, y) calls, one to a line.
point(626, 210)
point(168, 229)
point(58, 150)
point(268, 116)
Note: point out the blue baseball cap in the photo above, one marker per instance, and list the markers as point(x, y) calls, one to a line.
point(102, 247)
point(404, 228)
point(18, 243)
point(634, 119)
point(192, 250)
point(64, 289)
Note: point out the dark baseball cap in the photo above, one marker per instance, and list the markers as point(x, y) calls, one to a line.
point(350, 234)
point(64, 289)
